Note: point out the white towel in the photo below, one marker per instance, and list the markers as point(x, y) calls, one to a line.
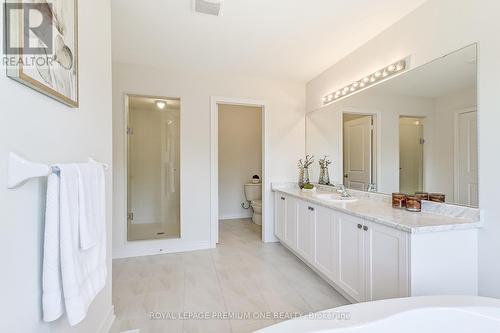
point(52, 298)
point(91, 202)
point(82, 268)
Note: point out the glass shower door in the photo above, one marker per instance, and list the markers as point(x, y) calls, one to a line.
point(153, 168)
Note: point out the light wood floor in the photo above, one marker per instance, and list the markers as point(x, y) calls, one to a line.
point(242, 275)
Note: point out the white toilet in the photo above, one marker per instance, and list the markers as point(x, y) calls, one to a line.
point(253, 193)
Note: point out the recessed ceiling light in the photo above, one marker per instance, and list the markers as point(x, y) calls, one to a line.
point(161, 104)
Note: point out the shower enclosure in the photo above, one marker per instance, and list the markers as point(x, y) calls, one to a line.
point(153, 168)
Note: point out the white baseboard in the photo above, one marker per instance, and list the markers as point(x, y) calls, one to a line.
point(155, 247)
point(108, 321)
point(235, 216)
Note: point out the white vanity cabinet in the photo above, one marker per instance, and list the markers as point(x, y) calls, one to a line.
point(306, 222)
point(365, 260)
point(387, 256)
point(325, 245)
point(280, 215)
point(285, 221)
point(352, 256)
point(291, 222)
point(368, 261)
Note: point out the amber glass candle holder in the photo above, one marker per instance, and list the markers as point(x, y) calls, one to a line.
point(422, 195)
point(399, 200)
point(437, 197)
point(413, 203)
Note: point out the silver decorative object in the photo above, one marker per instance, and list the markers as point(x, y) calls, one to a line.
point(304, 170)
point(324, 175)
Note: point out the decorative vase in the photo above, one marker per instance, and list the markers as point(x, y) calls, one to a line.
point(324, 176)
point(303, 177)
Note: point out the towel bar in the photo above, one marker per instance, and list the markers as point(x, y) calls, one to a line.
point(20, 170)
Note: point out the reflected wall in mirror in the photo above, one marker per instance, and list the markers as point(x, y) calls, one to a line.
point(412, 133)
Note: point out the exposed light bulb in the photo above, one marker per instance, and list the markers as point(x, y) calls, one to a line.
point(161, 104)
point(367, 81)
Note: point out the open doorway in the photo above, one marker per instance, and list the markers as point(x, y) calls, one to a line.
point(238, 200)
point(360, 151)
point(411, 154)
point(240, 169)
point(153, 168)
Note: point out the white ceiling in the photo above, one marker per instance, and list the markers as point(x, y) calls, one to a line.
point(289, 39)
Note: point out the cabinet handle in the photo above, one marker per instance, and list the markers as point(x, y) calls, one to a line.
point(365, 228)
point(360, 226)
point(311, 209)
point(282, 198)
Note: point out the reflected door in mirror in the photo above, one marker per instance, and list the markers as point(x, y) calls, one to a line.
point(358, 146)
point(411, 154)
point(466, 187)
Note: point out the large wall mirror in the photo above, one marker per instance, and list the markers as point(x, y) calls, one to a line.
point(414, 132)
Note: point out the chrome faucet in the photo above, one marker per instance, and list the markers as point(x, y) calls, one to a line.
point(343, 191)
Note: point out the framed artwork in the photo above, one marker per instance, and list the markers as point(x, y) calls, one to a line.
point(42, 44)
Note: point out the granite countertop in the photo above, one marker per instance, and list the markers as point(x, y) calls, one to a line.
point(379, 210)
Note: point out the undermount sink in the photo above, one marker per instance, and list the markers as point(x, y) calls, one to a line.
point(333, 197)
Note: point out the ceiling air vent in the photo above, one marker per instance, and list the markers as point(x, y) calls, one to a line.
point(209, 7)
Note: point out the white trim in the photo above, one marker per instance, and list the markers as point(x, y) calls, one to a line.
point(215, 101)
point(108, 321)
point(378, 136)
point(236, 216)
point(155, 247)
point(456, 162)
point(148, 247)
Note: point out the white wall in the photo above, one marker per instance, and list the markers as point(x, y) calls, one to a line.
point(437, 28)
point(44, 130)
point(240, 157)
point(285, 117)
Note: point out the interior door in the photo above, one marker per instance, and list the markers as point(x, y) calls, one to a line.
point(351, 256)
point(358, 148)
point(411, 154)
point(466, 187)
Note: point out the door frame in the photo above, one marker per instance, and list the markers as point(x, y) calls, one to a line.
point(215, 101)
point(377, 153)
point(456, 161)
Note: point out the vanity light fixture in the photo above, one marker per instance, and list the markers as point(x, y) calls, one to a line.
point(382, 74)
point(161, 104)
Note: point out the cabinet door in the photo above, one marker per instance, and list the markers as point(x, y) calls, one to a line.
point(351, 269)
point(305, 230)
point(291, 223)
point(280, 215)
point(387, 262)
point(326, 240)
